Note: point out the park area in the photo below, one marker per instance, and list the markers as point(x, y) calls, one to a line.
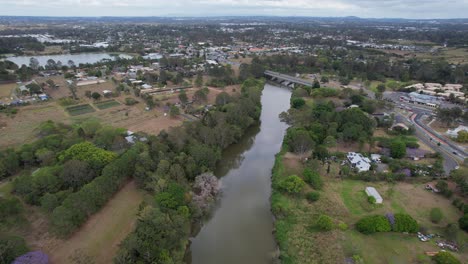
point(346, 202)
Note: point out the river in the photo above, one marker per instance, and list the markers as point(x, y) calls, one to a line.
point(64, 58)
point(240, 228)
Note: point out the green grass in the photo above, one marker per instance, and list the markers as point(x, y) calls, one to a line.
point(80, 109)
point(106, 104)
point(5, 189)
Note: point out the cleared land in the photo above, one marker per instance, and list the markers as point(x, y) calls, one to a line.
point(100, 237)
point(346, 202)
point(6, 89)
point(21, 128)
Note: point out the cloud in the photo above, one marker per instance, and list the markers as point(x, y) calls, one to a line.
point(363, 8)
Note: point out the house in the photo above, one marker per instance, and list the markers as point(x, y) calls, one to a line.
point(376, 157)
point(358, 161)
point(371, 191)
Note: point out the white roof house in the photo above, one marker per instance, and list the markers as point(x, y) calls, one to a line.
point(371, 191)
point(358, 161)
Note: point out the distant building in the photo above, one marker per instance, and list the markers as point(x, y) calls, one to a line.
point(371, 191)
point(358, 161)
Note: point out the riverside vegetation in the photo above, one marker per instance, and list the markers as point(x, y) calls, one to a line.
point(83, 165)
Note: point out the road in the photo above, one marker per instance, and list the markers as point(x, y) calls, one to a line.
point(453, 154)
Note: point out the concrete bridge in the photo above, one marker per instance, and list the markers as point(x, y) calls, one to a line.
point(286, 80)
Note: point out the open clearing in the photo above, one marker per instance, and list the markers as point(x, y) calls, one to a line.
point(21, 128)
point(100, 237)
point(346, 202)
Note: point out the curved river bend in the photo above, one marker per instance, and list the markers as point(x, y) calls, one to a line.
point(240, 228)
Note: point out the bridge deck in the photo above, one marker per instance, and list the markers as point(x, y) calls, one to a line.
point(288, 78)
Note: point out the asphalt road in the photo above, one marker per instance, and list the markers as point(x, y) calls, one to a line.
point(453, 154)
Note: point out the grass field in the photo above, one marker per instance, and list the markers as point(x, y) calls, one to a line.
point(5, 89)
point(99, 238)
point(346, 202)
point(80, 109)
point(106, 104)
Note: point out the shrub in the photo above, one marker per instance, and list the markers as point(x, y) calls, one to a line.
point(130, 101)
point(372, 224)
point(371, 199)
point(171, 198)
point(343, 226)
point(463, 222)
point(444, 257)
point(313, 178)
point(436, 215)
point(313, 196)
point(324, 223)
point(11, 247)
point(405, 223)
point(297, 103)
point(292, 184)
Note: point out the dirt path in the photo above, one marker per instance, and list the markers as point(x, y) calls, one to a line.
point(99, 238)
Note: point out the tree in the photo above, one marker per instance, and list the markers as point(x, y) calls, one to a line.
point(223, 99)
point(313, 178)
point(381, 88)
point(436, 215)
point(34, 64)
point(174, 111)
point(316, 84)
point(51, 65)
point(96, 95)
point(76, 174)
point(444, 257)
point(398, 149)
point(299, 141)
point(405, 223)
point(11, 247)
point(324, 79)
point(199, 80)
point(463, 222)
point(324, 223)
point(292, 184)
point(172, 197)
point(96, 157)
point(183, 97)
point(200, 96)
point(313, 196)
point(297, 102)
point(372, 224)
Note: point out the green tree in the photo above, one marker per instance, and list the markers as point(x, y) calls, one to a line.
point(172, 197)
point(11, 247)
point(324, 223)
point(297, 102)
point(96, 95)
point(174, 111)
point(223, 98)
point(463, 222)
point(183, 97)
point(398, 149)
point(405, 223)
point(313, 196)
point(444, 257)
point(372, 224)
point(199, 80)
point(316, 84)
point(76, 173)
point(292, 184)
point(313, 178)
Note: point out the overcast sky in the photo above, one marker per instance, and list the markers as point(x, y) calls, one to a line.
point(361, 8)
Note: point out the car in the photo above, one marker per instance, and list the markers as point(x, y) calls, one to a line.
point(454, 153)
